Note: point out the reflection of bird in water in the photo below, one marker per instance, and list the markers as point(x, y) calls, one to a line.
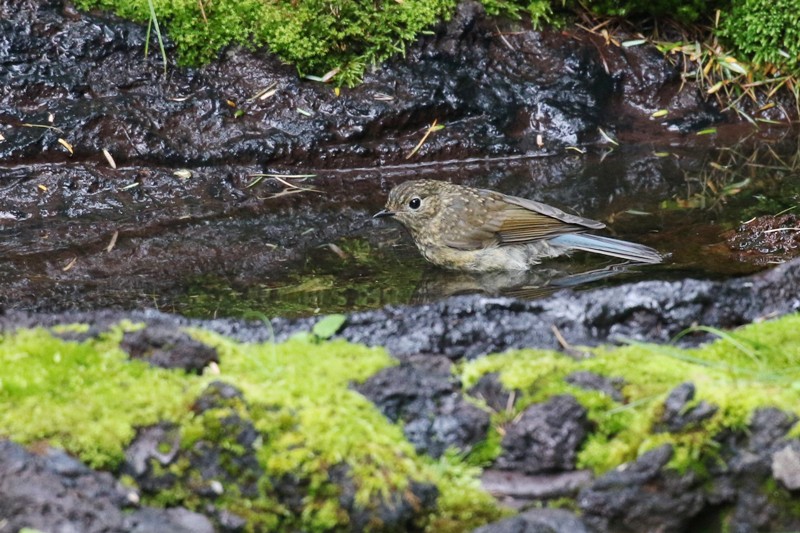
point(525, 285)
point(477, 230)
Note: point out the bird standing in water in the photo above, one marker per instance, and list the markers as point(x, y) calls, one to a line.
point(478, 230)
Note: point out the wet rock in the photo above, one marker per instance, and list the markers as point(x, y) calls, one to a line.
point(743, 469)
point(643, 496)
point(470, 326)
point(149, 454)
point(768, 426)
point(229, 522)
point(591, 381)
point(538, 521)
point(177, 520)
point(398, 511)
point(422, 394)
point(168, 348)
point(218, 395)
point(766, 239)
point(545, 438)
point(676, 416)
point(490, 390)
point(51, 491)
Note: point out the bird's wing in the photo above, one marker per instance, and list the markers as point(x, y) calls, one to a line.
point(552, 212)
point(512, 220)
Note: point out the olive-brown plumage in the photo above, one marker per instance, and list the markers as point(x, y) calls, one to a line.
point(464, 228)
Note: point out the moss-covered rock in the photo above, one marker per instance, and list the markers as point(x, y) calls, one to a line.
point(276, 436)
point(754, 367)
point(271, 438)
point(316, 35)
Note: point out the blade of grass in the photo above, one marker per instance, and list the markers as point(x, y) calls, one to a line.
point(154, 22)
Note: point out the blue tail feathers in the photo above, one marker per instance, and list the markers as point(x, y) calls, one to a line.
point(607, 246)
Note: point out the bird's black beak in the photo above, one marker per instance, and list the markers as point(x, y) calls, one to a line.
point(383, 213)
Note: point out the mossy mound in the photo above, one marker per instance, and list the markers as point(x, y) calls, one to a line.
point(276, 436)
point(756, 366)
point(296, 417)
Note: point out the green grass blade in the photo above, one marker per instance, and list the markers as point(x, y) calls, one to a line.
point(154, 21)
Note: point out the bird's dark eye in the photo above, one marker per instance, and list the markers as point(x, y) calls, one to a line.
point(414, 203)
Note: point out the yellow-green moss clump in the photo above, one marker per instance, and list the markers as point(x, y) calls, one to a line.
point(88, 398)
point(85, 397)
point(756, 366)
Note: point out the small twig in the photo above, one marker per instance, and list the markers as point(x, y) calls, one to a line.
point(503, 38)
point(568, 348)
point(433, 127)
point(781, 229)
point(28, 125)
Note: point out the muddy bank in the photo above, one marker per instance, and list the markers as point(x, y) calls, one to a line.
point(495, 92)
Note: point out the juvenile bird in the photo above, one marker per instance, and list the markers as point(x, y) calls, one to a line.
point(478, 230)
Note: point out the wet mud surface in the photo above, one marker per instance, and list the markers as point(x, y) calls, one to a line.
point(767, 239)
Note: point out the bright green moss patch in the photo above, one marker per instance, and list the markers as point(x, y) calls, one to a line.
point(316, 35)
point(756, 366)
point(767, 32)
point(86, 397)
point(315, 421)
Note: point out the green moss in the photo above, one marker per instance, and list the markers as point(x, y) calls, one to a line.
point(781, 498)
point(486, 451)
point(316, 35)
point(319, 36)
point(89, 398)
point(86, 397)
point(754, 367)
point(768, 32)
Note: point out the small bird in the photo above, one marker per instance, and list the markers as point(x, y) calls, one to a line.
point(478, 230)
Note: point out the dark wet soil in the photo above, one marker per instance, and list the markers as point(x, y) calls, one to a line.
point(181, 224)
point(766, 239)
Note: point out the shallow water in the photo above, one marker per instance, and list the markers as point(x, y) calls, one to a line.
point(681, 201)
point(260, 256)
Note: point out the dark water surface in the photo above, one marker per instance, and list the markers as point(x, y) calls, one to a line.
point(321, 252)
point(684, 202)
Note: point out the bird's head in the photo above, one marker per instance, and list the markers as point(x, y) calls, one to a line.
point(414, 203)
